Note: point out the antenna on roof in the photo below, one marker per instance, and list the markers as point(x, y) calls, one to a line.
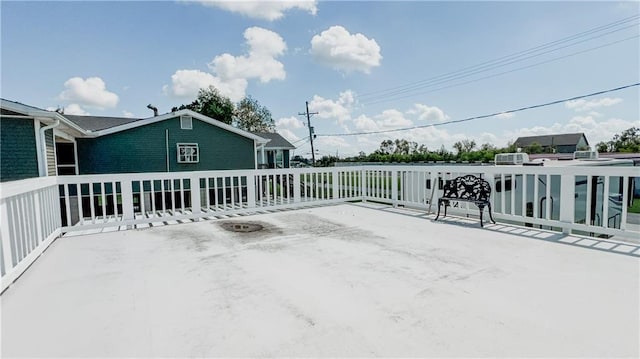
point(155, 109)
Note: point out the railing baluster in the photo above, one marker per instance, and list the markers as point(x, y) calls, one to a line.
point(103, 199)
point(233, 192)
point(588, 218)
point(143, 209)
point(536, 185)
point(625, 200)
point(92, 209)
point(605, 202)
point(548, 200)
point(512, 187)
point(153, 197)
point(225, 198)
point(80, 207)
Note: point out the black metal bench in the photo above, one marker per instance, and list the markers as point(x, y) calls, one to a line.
point(468, 188)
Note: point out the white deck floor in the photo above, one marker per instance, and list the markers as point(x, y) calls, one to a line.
point(349, 280)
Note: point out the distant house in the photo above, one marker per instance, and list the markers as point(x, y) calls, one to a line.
point(558, 143)
point(36, 142)
point(276, 152)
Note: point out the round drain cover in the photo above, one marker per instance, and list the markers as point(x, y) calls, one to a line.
point(243, 227)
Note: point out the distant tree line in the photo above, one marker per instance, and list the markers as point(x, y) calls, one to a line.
point(401, 150)
point(627, 141)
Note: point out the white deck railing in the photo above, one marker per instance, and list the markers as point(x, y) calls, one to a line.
point(584, 200)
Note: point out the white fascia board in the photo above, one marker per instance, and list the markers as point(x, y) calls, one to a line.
point(279, 148)
point(176, 114)
point(41, 115)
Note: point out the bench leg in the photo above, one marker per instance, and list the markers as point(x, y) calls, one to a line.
point(481, 207)
point(438, 215)
point(490, 215)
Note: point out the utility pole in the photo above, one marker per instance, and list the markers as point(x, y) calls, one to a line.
point(311, 132)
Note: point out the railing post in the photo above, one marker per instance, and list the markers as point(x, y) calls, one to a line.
point(394, 187)
point(433, 196)
point(567, 201)
point(334, 183)
point(5, 237)
point(38, 216)
point(363, 196)
point(296, 187)
point(491, 179)
point(196, 203)
point(251, 190)
point(126, 191)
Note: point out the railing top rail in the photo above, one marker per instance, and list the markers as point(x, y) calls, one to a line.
point(15, 188)
point(9, 189)
point(627, 171)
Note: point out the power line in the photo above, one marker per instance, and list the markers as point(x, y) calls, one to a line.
point(500, 73)
point(412, 90)
point(516, 54)
point(502, 61)
point(484, 116)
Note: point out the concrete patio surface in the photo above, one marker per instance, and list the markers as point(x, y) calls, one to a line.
point(361, 280)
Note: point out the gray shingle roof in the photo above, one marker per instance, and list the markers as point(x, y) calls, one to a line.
point(277, 141)
point(97, 123)
point(20, 106)
point(548, 140)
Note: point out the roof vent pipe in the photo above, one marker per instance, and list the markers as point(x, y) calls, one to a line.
point(155, 109)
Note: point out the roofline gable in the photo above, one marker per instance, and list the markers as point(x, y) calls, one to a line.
point(36, 113)
point(179, 113)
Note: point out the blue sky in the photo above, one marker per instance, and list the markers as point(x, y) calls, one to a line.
point(363, 66)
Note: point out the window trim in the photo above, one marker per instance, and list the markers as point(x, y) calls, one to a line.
point(183, 122)
point(191, 145)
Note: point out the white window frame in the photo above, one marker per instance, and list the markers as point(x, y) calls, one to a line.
point(190, 158)
point(186, 122)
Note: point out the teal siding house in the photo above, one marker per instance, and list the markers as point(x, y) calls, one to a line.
point(37, 142)
point(276, 153)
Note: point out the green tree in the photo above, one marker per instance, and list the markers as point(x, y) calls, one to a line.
point(464, 146)
point(211, 104)
point(627, 141)
point(250, 115)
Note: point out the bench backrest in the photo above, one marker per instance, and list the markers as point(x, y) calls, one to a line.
point(468, 187)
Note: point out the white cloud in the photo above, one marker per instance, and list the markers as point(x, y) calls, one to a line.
point(127, 114)
point(187, 83)
point(365, 124)
point(339, 110)
point(264, 46)
point(505, 115)
point(288, 135)
point(428, 113)
point(337, 48)
point(75, 109)
point(91, 92)
point(387, 120)
point(264, 10)
point(486, 137)
point(584, 105)
point(289, 122)
point(329, 145)
point(230, 74)
point(392, 118)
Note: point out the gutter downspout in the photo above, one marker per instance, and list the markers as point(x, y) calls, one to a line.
point(43, 143)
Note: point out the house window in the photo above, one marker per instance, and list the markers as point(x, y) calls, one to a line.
point(186, 123)
point(188, 153)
